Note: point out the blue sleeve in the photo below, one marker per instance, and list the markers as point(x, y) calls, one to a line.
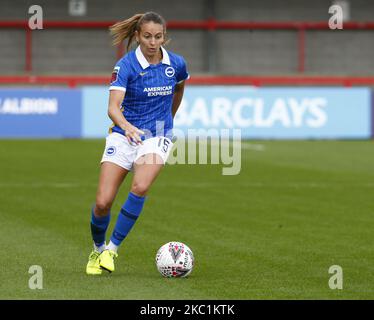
point(120, 77)
point(182, 71)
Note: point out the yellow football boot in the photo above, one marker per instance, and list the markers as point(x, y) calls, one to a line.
point(107, 260)
point(93, 265)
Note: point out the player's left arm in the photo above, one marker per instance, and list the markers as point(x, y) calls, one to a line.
point(177, 97)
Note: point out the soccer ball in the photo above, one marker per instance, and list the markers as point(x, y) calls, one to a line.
point(174, 259)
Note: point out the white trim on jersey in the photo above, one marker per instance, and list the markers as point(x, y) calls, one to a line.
point(117, 88)
point(184, 79)
point(165, 56)
point(143, 61)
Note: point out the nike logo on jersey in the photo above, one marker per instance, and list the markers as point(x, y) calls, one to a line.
point(142, 73)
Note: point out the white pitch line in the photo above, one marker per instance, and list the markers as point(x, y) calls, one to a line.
point(253, 146)
point(42, 185)
point(200, 185)
point(243, 144)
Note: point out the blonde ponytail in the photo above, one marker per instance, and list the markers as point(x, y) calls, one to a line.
point(125, 29)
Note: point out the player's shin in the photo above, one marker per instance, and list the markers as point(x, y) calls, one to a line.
point(99, 225)
point(126, 220)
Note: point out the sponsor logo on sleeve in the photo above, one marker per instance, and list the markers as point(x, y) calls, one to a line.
point(115, 74)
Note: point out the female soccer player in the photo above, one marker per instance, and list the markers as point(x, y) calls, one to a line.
point(146, 89)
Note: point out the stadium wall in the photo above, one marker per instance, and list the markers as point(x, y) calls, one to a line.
point(221, 51)
point(372, 114)
point(260, 113)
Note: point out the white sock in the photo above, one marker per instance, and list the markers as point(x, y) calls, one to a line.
point(111, 246)
point(101, 248)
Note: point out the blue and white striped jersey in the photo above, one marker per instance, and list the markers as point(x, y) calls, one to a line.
point(148, 90)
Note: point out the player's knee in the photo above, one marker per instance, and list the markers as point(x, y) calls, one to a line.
point(140, 188)
point(102, 207)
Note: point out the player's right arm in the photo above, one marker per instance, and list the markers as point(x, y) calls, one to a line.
point(115, 114)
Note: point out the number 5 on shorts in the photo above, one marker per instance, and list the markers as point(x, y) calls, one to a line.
point(165, 145)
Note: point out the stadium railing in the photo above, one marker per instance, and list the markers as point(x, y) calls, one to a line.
point(211, 25)
point(73, 81)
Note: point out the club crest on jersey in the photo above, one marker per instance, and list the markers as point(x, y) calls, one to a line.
point(114, 74)
point(169, 72)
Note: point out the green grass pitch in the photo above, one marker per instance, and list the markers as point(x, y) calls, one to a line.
point(271, 232)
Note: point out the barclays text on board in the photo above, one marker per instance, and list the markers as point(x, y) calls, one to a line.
point(279, 112)
point(248, 112)
point(274, 113)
